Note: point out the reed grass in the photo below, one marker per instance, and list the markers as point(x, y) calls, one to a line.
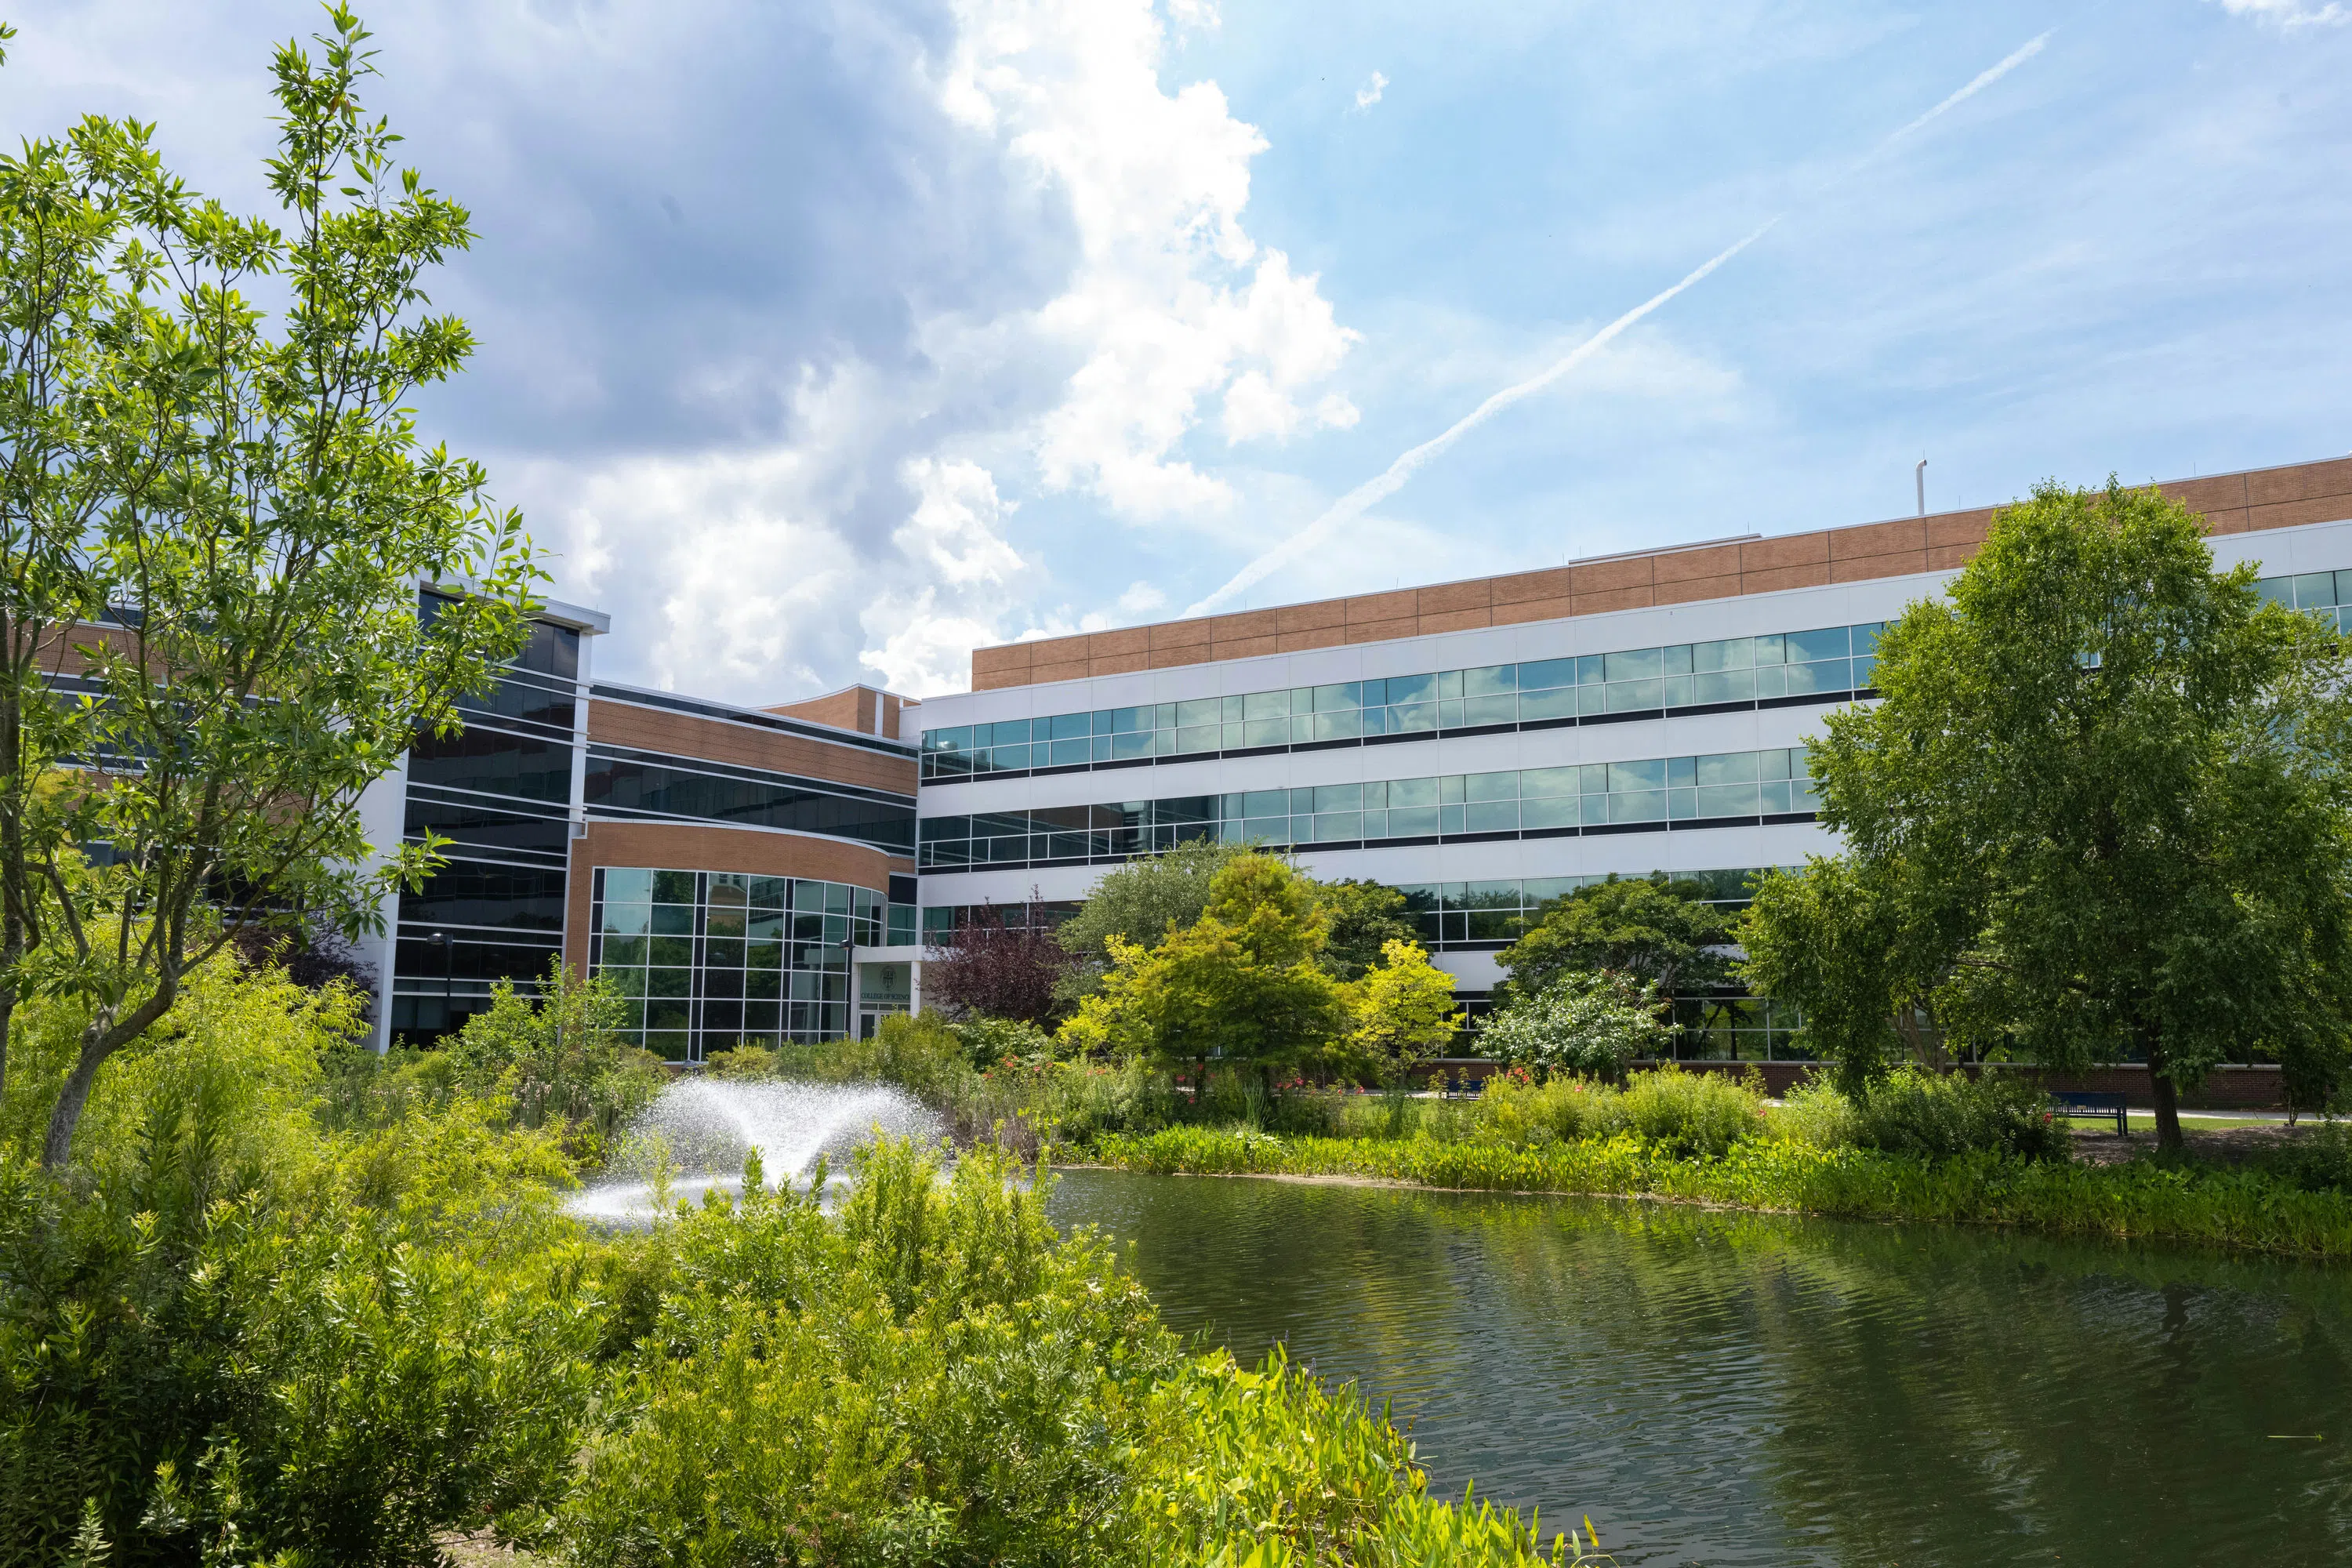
point(2246, 1210)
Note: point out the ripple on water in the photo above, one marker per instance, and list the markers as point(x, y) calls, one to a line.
point(1752, 1389)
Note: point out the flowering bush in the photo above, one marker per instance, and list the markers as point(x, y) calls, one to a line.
point(1589, 1023)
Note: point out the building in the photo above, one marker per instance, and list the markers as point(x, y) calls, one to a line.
point(1484, 745)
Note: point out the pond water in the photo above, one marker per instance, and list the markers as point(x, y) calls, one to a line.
point(1717, 1388)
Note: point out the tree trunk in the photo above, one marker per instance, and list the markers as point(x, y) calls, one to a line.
point(2167, 1096)
point(2167, 1114)
point(57, 1148)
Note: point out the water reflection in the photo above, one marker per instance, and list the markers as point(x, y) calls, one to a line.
point(1735, 1389)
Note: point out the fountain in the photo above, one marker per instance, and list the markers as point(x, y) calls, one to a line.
point(703, 1129)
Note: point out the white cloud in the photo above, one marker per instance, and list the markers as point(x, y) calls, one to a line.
point(1369, 93)
point(2291, 14)
point(1171, 302)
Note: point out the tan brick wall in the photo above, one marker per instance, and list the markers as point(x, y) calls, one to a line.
point(682, 847)
point(746, 746)
point(2233, 503)
point(851, 708)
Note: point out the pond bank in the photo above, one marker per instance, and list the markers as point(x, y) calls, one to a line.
point(2245, 1210)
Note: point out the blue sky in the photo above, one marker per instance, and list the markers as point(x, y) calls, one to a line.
point(823, 340)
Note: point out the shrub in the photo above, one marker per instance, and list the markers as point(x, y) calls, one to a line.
point(1936, 1116)
point(1584, 1022)
point(223, 1350)
point(559, 1063)
point(1815, 1112)
point(1516, 1109)
point(742, 1062)
point(2317, 1160)
point(1685, 1113)
point(988, 1041)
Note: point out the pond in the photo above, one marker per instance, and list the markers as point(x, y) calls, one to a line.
point(1721, 1389)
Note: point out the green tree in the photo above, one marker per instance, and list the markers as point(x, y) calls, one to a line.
point(1404, 1012)
point(2102, 809)
point(1656, 931)
point(1243, 983)
point(244, 492)
point(1364, 917)
point(1139, 904)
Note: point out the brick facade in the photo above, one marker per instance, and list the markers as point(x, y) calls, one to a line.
point(2233, 503)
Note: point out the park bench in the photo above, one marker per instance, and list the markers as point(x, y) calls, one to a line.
point(2091, 1103)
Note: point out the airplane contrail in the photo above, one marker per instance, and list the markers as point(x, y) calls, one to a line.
point(1372, 491)
point(1379, 489)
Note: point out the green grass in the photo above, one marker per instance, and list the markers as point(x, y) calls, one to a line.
point(2243, 1210)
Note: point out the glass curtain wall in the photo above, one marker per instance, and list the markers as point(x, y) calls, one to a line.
point(1728, 788)
point(500, 791)
point(711, 960)
point(1832, 664)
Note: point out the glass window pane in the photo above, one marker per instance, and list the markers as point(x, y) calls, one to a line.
point(1412, 791)
point(1728, 800)
point(1830, 642)
point(1546, 781)
point(2315, 590)
point(1412, 718)
point(1337, 699)
point(628, 919)
point(1071, 726)
point(1557, 812)
point(1339, 827)
point(628, 885)
point(1490, 681)
point(1491, 817)
point(1267, 705)
point(1266, 732)
point(1678, 659)
point(1637, 664)
point(1415, 822)
point(1727, 768)
point(1643, 775)
point(1338, 797)
point(1491, 786)
point(1345, 725)
point(1129, 720)
point(1199, 738)
point(1203, 710)
point(1635, 695)
point(1449, 684)
point(1829, 675)
point(1770, 649)
point(672, 920)
point(1547, 673)
point(674, 887)
point(1642, 806)
point(1590, 669)
point(1724, 685)
point(1557, 703)
point(1734, 652)
point(1491, 711)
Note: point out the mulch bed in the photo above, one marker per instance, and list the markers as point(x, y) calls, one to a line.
point(2221, 1146)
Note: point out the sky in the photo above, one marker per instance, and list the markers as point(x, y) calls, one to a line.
point(820, 341)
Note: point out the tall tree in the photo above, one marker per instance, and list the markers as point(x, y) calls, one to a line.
point(998, 970)
point(2102, 808)
point(1364, 917)
point(217, 513)
point(1243, 983)
point(1651, 929)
